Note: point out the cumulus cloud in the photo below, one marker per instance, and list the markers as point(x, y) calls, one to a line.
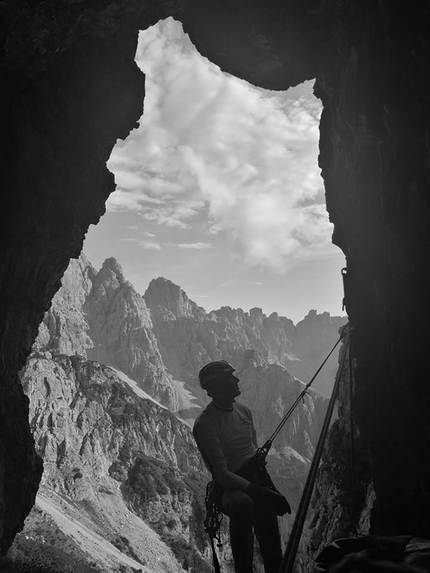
point(211, 142)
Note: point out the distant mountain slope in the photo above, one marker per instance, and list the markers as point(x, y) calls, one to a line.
point(188, 337)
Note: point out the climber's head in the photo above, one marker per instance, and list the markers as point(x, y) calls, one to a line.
point(217, 378)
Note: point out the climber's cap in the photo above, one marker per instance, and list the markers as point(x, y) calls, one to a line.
point(214, 370)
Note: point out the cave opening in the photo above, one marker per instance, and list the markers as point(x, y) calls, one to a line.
point(370, 64)
point(219, 190)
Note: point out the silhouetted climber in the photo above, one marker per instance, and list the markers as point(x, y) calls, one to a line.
point(226, 438)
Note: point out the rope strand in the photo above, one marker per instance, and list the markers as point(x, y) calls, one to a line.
point(264, 449)
point(296, 532)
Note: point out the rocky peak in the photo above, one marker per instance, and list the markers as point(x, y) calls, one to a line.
point(112, 266)
point(256, 314)
point(314, 331)
point(232, 315)
point(65, 328)
point(80, 273)
point(167, 299)
point(110, 278)
point(113, 295)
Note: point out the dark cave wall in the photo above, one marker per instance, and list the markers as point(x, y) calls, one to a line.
point(375, 160)
point(271, 44)
point(70, 88)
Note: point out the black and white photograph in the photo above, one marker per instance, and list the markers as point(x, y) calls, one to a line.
point(214, 286)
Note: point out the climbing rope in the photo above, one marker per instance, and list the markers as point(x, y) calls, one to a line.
point(351, 417)
point(264, 449)
point(296, 532)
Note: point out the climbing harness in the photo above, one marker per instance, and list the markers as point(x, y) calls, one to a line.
point(213, 521)
point(296, 532)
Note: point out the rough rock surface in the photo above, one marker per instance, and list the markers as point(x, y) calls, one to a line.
point(64, 329)
point(70, 88)
point(64, 143)
point(375, 159)
point(92, 429)
point(99, 315)
point(87, 419)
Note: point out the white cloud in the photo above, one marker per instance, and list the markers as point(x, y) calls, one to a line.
point(197, 246)
point(172, 213)
point(207, 138)
point(149, 245)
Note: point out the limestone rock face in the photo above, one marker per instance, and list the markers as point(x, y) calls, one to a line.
point(168, 301)
point(84, 416)
point(64, 329)
point(122, 332)
point(99, 315)
point(99, 435)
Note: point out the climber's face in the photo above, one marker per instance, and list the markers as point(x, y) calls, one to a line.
point(228, 385)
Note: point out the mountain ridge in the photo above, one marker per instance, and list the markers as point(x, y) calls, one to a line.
point(107, 320)
point(300, 348)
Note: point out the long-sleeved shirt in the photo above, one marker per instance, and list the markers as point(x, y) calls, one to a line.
point(226, 438)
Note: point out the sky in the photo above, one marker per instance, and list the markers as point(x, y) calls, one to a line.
point(219, 189)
